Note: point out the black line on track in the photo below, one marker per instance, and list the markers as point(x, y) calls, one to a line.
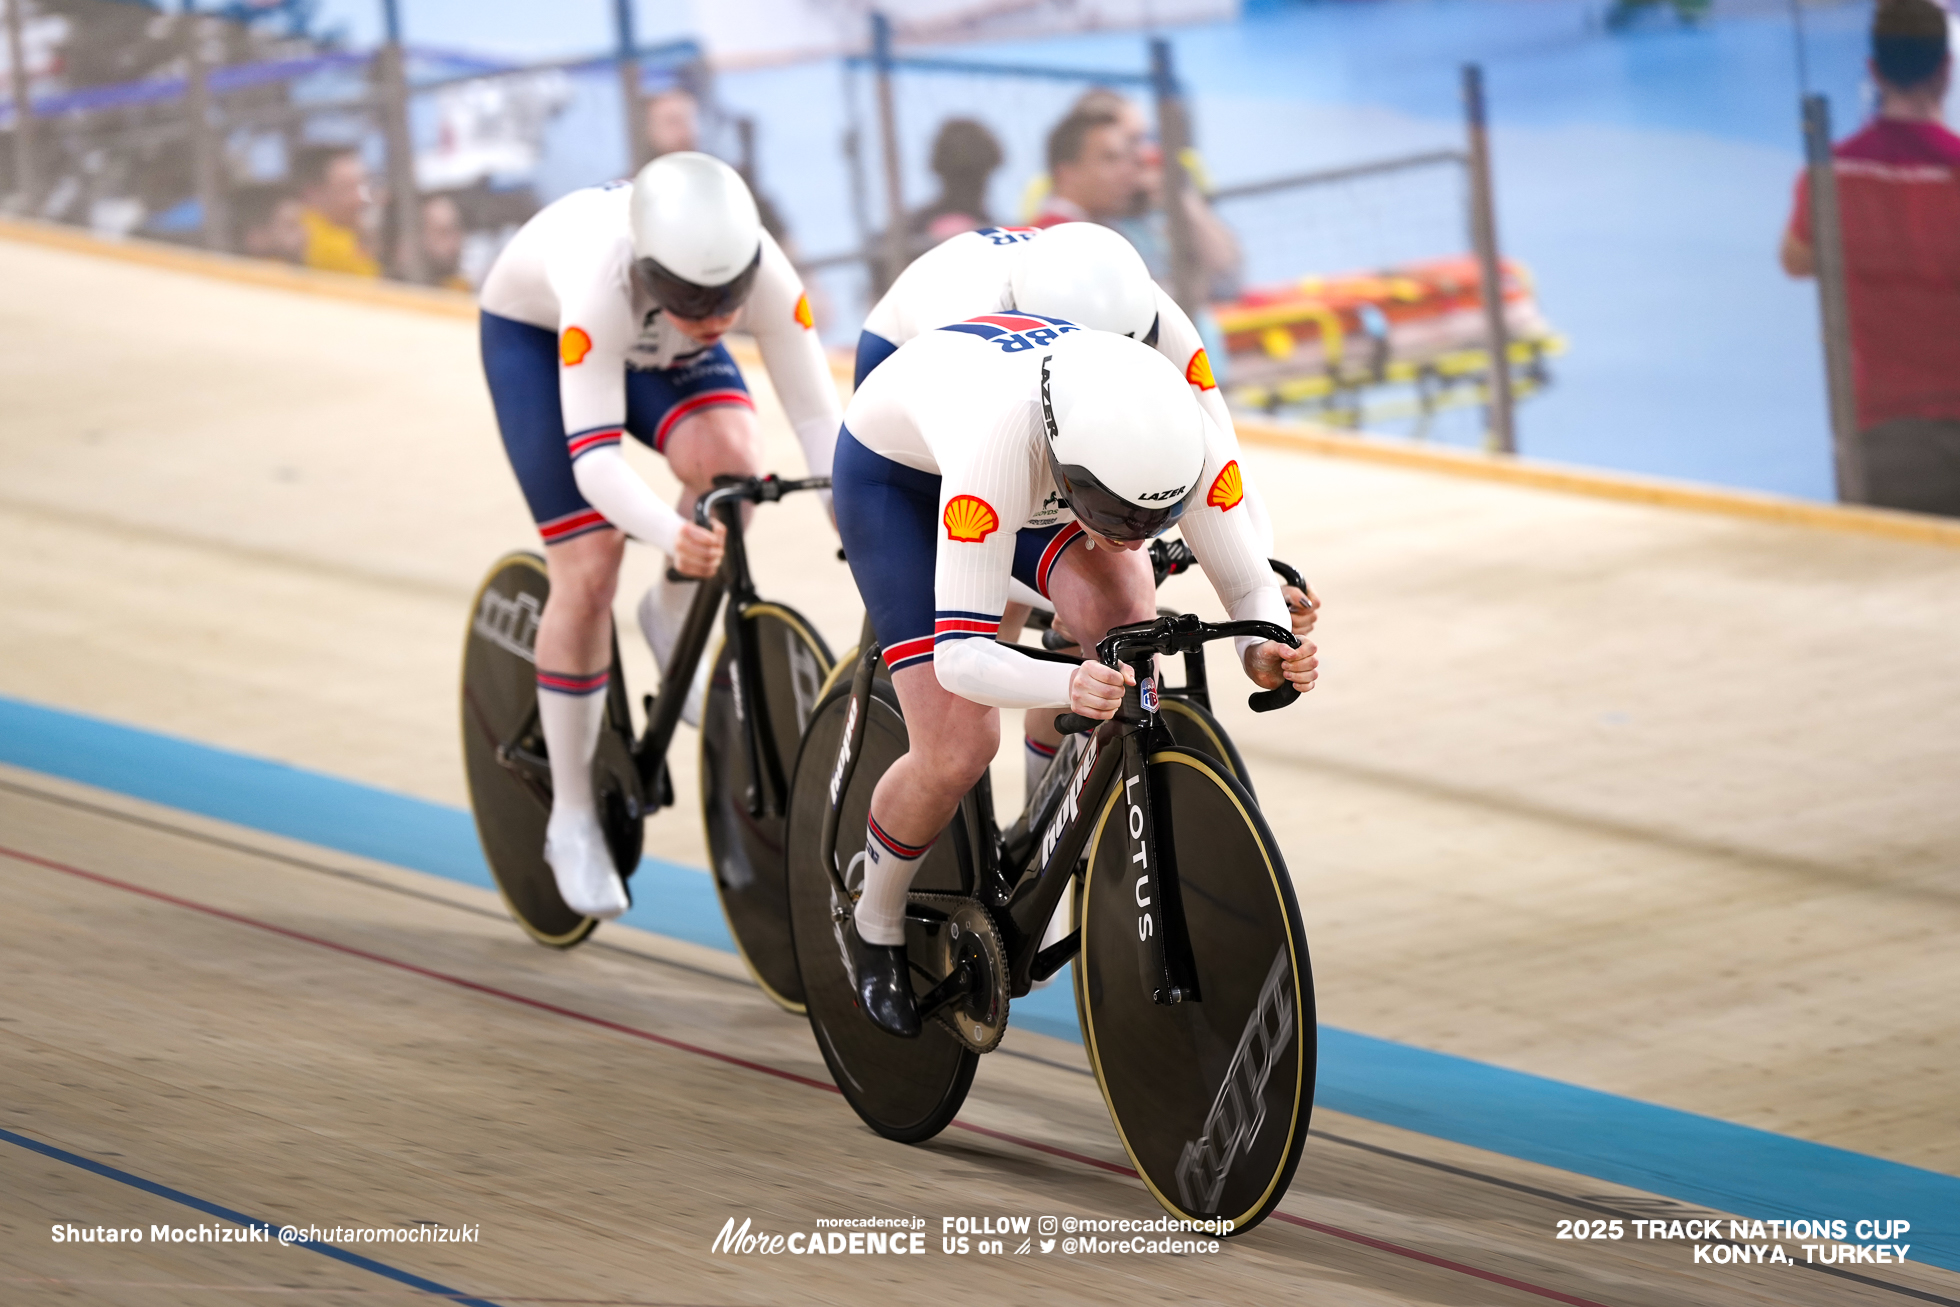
point(321, 868)
point(1593, 1205)
point(342, 873)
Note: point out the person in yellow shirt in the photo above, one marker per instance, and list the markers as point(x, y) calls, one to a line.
point(334, 190)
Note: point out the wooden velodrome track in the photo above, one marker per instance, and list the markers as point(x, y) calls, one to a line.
point(1651, 802)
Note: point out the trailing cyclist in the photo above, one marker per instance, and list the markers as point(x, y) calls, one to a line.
point(1084, 273)
point(987, 450)
point(603, 318)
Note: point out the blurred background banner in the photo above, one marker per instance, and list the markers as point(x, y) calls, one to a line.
point(1357, 233)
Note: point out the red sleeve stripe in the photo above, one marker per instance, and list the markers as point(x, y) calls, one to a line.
point(964, 628)
point(587, 441)
point(694, 404)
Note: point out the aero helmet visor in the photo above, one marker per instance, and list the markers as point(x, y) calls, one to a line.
point(686, 299)
point(1107, 513)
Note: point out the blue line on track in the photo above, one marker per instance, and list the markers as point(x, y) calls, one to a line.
point(408, 1278)
point(1695, 1159)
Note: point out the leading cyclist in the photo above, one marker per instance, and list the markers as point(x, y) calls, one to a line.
point(989, 449)
point(602, 318)
point(1093, 277)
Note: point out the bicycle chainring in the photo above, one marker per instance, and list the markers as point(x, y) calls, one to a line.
point(970, 940)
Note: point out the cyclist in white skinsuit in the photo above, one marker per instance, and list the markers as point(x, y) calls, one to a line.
point(1090, 275)
point(988, 449)
point(603, 318)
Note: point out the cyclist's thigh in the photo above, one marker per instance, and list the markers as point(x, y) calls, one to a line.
point(521, 364)
point(659, 400)
point(888, 519)
point(1096, 589)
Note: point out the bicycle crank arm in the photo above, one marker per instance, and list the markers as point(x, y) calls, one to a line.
point(943, 995)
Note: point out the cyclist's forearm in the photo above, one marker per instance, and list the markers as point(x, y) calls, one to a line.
point(1223, 542)
point(628, 502)
point(993, 674)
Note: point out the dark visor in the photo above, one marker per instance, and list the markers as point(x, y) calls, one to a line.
point(1108, 514)
point(685, 299)
point(1150, 336)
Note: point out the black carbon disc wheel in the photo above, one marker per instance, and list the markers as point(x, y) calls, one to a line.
point(745, 813)
point(511, 803)
point(1210, 1097)
point(904, 1089)
point(1193, 727)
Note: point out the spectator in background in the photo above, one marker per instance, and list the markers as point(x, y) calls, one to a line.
point(270, 225)
point(442, 243)
point(1899, 196)
point(334, 191)
point(673, 121)
point(1094, 170)
point(1104, 167)
point(964, 155)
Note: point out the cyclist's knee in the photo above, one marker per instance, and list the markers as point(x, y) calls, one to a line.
point(585, 574)
point(719, 441)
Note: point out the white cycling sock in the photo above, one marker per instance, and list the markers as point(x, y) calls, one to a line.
point(888, 868)
point(1037, 756)
point(570, 707)
point(663, 611)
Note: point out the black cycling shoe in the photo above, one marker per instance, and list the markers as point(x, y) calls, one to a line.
point(884, 986)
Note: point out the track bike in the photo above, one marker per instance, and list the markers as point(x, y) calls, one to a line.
point(763, 682)
point(1192, 978)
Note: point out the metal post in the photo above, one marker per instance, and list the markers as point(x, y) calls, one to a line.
point(1827, 238)
point(404, 201)
point(1174, 137)
point(893, 262)
point(27, 182)
point(207, 139)
point(631, 102)
point(1503, 435)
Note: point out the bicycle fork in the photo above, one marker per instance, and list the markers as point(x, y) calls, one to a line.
point(1164, 962)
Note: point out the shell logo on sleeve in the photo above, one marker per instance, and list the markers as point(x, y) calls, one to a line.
point(1198, 371)
point(804, 318)
point(1228, 489)
point(970, 519)
point(573, 346)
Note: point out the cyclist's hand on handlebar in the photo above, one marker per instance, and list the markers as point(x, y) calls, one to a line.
point(698, 550)
point(1270, 663)
point(1095, 690)
point(1302, 607)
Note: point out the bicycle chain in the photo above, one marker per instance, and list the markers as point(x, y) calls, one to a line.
point(966, 917)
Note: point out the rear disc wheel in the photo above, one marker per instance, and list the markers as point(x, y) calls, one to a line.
point(504, 755)
point(904, 1089)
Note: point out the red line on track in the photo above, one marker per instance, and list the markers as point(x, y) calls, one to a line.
point(665, 1041)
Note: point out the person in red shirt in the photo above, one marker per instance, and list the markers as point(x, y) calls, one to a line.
point(1899, 193)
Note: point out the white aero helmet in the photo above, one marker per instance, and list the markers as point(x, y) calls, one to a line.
point(1088, 274)
point(1125, 436)
point(697, 238)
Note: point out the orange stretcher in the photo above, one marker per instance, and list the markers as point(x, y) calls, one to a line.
point(1397, 326)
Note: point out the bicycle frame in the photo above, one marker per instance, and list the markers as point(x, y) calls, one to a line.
point(1022, 880)
point(769, 790)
